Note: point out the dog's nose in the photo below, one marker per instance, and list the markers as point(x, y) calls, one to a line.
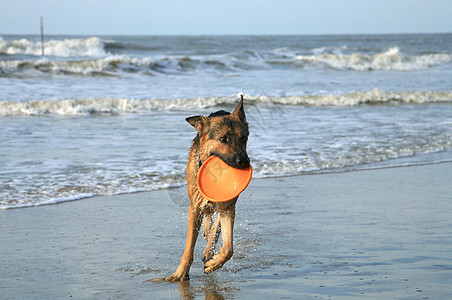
point(243, 161)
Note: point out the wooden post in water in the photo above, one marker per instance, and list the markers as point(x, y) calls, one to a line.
point(42, 37)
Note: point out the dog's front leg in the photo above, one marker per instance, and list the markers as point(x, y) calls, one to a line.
point(227, 227)
point(212, 231)
point(194, 224)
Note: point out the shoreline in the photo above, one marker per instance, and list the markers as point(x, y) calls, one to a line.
point(59, 201)
point(382, 233)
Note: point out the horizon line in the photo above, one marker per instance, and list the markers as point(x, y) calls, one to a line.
point(228, 34)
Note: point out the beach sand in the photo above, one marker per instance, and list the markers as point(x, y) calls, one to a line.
point(383, 233)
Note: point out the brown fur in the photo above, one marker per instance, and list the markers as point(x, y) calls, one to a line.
point(224, 136)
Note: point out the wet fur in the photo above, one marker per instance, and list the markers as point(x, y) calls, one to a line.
point(224, 135)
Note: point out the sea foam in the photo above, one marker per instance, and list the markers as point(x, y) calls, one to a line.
point(86, 107)
point(92, 46)
point(392, 59)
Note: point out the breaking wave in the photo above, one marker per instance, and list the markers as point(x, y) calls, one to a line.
point(108, 66)
point(86, 107)
point(392, 59)
point(94, 56)
point(92, 46)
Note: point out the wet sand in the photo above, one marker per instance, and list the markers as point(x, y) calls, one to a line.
point(383, 233)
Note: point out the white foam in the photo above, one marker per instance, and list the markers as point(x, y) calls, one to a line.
point(111, 65)
point(92, 46)
point(371, 155)
point(375, 96)
point(24, 204)
point(74, 107)
point(392, 59)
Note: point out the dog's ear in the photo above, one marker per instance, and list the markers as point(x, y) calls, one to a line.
point(239, 111)
point(200, 123)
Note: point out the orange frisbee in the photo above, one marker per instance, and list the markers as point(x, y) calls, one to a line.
point(219, 182)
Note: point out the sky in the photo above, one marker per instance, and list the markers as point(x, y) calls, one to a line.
point(185, 17)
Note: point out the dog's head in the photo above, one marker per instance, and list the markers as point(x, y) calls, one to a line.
point(224, 135)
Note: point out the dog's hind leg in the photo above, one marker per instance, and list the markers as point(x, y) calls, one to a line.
point(226, 218)
point(194, 224)
point(211, 233)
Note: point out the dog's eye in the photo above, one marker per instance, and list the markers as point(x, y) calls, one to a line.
point(224, 139)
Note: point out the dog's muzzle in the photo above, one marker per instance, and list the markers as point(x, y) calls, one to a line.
point(237, 161)
point(242, 162)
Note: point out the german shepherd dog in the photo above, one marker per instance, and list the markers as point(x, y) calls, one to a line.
point(224, 135)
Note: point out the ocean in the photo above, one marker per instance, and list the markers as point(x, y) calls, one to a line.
point(104, 115)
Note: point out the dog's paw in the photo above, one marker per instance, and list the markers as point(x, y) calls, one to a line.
point(212, 265)
point(178, 277)
point(205, 260)
point(208, 255)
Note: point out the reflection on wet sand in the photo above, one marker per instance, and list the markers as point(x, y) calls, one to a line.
point(207, 286)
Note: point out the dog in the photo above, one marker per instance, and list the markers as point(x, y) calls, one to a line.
point(224, 135)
